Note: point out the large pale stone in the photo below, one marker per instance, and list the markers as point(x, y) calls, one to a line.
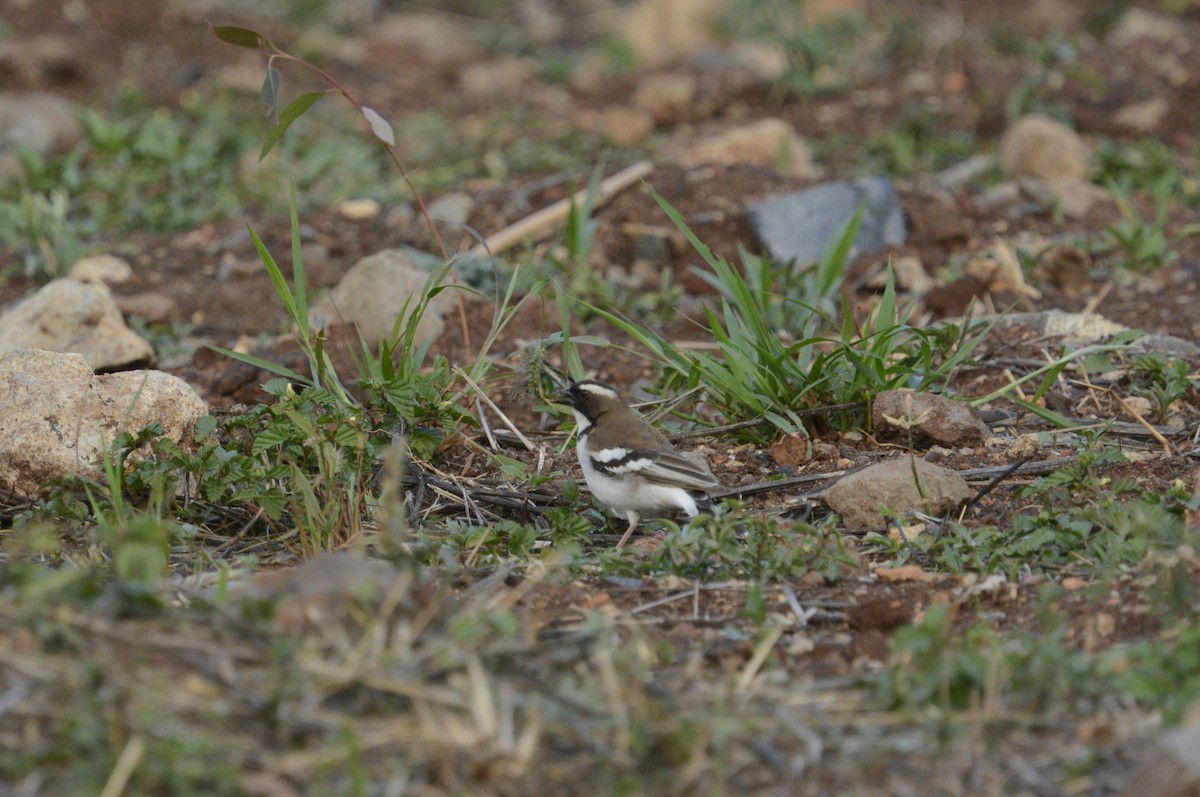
point(374, 292)
point(859, 497)
point(57, 417)
point(70, 316)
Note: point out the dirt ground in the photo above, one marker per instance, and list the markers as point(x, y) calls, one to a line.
point(856, 615)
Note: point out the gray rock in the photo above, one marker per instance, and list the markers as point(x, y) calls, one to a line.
point(70, 316)
point(374, 292)
point(905, 416)
point(45, 124)
point(857, 498)
point(801, 226)
point(57, 417)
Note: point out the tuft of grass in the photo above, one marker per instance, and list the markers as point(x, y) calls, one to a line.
point(767, 369)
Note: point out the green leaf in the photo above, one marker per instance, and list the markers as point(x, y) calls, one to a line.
point(259, 362)
point(270, 91)
point(205, 425)
point(242, 37)
point(291, 113)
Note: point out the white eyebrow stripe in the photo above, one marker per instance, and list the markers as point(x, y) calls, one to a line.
point(609, 454)
point(599, 390)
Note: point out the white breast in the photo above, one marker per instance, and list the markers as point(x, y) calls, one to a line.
point(628, 493)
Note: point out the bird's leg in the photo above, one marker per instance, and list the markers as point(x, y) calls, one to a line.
point(633, 521)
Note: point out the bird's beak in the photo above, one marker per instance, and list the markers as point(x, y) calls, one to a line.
point(563, 396)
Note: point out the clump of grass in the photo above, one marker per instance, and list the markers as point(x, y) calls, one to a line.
point(768, 368)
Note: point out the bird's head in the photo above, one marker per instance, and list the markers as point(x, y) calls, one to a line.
point(589, 399)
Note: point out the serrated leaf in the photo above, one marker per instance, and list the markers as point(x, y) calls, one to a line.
point(242, 37)
point(270, 91)
point(379, 126)
point(294, 110)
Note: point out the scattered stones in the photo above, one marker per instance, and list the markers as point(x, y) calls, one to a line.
point(44, 124)
point(1037, 146)
point(800, 226)
point(101, 270)
point(858, 497)
point(770, 143)
point(921, 418)
point(57, 417)
point(374, 293)
point(70, 316)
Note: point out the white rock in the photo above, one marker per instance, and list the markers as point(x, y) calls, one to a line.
point(70, 316)
point(360, 209)
point(101, 270)
point(57, 417)
point(373, 293)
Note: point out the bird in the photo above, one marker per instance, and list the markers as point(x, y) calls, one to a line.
point(628, 464)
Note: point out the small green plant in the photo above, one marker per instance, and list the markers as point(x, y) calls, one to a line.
point(1145, 245)
point(733, 543)
point(918, 143)
point(39, 222)
point(1164, 379)
point(764, 370)
point(1146, 165)
point(1086, 521)
point(1055, 60)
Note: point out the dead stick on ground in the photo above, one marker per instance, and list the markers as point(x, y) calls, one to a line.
point(1137, 416)
point(547, 218)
